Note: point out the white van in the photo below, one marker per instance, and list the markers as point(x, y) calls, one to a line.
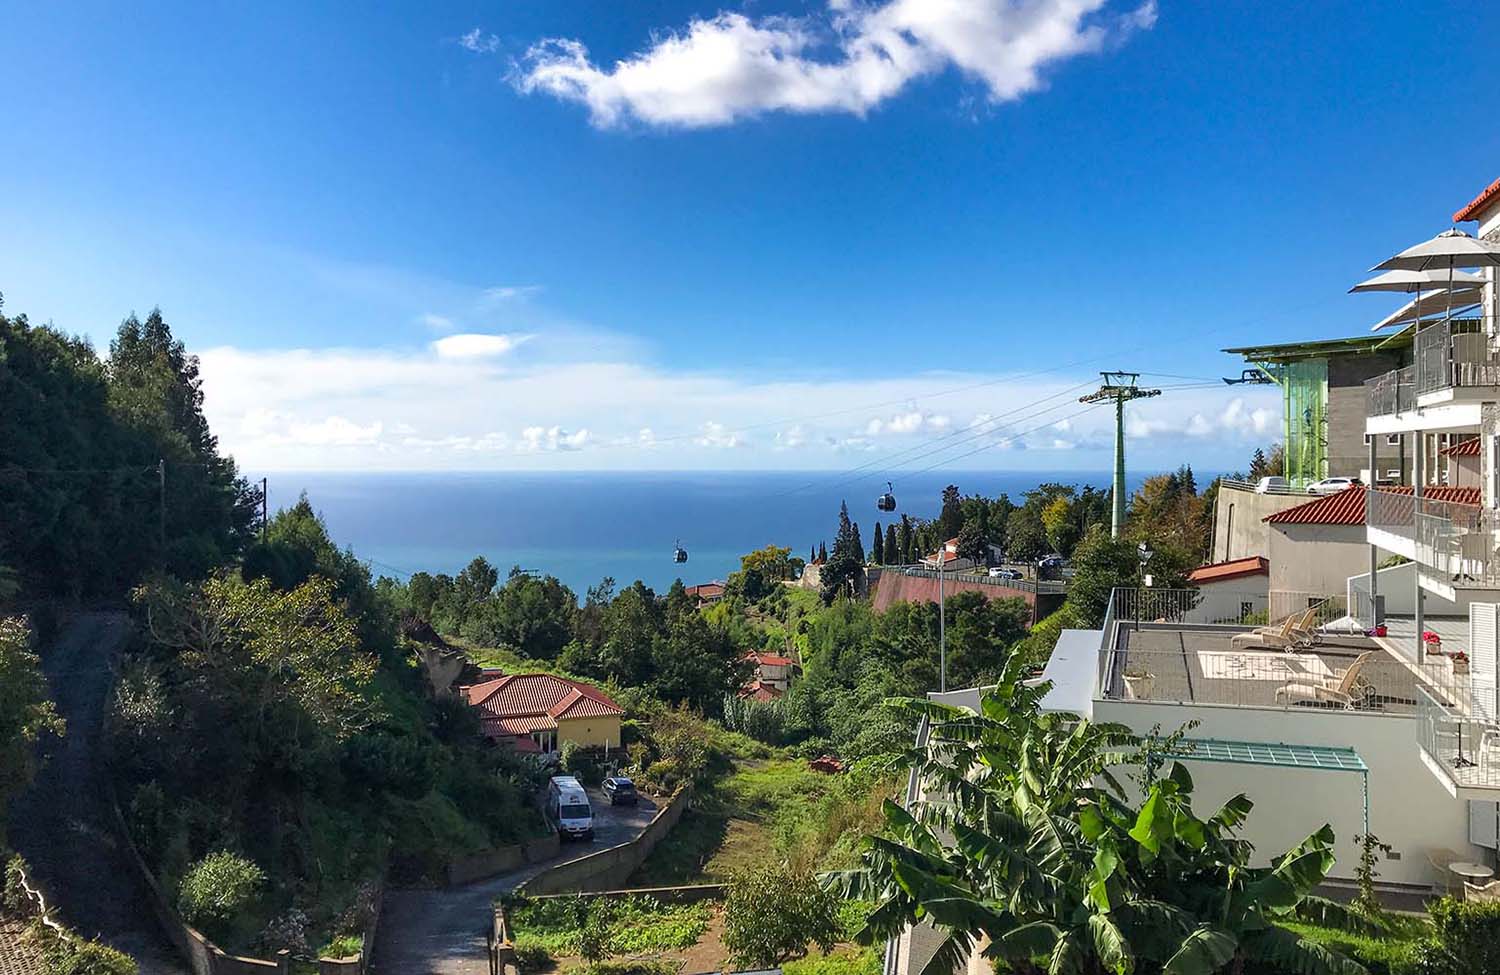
point(568, 808)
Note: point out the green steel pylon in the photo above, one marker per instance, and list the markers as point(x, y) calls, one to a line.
point(1120, 387)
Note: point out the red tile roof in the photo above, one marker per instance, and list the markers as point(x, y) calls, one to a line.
point(705, 590)
point(536, 695)
point(756, 691)
point(1465, 448)
point(1479, 204)
point(1348, 506)
point(770, 659)
point(1255, 565)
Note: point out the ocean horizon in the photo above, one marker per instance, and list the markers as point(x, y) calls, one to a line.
point(584, 525)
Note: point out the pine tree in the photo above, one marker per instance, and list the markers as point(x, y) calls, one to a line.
point(845, 542)
point(857, 543)
point(893, 550)
point(877, 546)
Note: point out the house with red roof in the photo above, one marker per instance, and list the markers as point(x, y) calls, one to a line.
point(1234, 589)
point(706, 593)
point(773, 674)
point(538, 713)
point(949, 558)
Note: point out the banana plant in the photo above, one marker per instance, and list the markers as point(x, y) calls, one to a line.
point(1024, 847)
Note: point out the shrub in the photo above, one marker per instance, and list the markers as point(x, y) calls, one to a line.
point(532, 958)
point(771, 915)
point(344, 946)
point(1467, 939)
point(217, 889)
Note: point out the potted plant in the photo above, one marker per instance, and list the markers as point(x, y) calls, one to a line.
point(1140, 682)
point(1460, 661)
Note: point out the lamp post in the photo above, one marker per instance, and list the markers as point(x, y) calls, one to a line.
point(1143, 551)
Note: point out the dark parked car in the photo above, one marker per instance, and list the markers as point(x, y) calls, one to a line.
point(618, 789)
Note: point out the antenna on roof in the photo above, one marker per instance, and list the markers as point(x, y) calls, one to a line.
point(1120, 387)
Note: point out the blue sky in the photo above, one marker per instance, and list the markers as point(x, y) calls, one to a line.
point(462, 237)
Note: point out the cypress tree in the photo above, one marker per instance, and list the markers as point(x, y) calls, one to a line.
point(877, 546)
point(906, 540)
point(857, 543)
point(893, 550)
point(822, 552)
point(812, 554)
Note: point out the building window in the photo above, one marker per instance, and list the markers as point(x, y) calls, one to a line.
point(1393, 440)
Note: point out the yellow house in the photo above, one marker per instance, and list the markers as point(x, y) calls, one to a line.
point(538, 713)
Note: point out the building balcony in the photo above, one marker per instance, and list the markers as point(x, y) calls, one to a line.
point(1454, 368)
point(1455, 544)
point(1458, 732)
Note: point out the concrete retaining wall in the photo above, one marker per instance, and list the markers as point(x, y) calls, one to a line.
point(612, 867)
point(502, 859)
point(895, 587)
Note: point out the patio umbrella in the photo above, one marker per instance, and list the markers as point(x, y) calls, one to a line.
point(1448, 251)
point(1428, 304)
point(1409, 281)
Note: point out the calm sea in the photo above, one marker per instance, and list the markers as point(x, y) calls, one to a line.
point(583, 526)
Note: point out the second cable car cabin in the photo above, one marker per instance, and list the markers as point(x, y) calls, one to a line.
point(887, 501)
point(679, 554)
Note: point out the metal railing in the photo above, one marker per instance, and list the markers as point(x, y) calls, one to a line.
point(1457, 541)
point(1254, 487)
point(1391, 393)
point(1218, 673)
point(1023, 585)
point(1455, 353)
point(1458, 729)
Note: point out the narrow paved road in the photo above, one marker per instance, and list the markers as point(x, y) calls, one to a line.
point(442, 932)
point(61, 825)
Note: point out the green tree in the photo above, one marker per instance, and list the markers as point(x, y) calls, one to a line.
point(908, 543)
point(26, 711)
point(951, 517)
point(772, 562)
point(772, 915)
point(892, 546)
point(877, 546)
point(972, 543)
point(533, 615)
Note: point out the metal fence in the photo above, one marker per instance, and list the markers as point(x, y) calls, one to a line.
point(1219, 673)
point(1392, 392)
point(1254, 487)
point(1455, 353)
point(1457, 541)
point(1044, 587)
point(1459, 731)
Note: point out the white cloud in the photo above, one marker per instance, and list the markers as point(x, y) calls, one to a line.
point(330, 431)
point(914, 421)
point(479, 42)
point(551, 439)
point(437, 322)
point(716, 435)
point(791, 438)
point(509, 292)
point(474, 346)
point(849, 59)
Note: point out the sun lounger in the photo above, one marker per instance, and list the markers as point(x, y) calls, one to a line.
point(1343, 689)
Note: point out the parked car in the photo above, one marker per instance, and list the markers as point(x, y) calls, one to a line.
point(568, 808)
point(618, 789)
point(1332, 485)
point(1003, 573)
point(1050, 569)
point(1272, 484)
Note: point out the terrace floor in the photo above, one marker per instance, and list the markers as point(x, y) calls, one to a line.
point(1203, 666)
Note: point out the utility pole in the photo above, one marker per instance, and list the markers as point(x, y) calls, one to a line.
point(161, 515)
point(1120, 387)
point(263, 515)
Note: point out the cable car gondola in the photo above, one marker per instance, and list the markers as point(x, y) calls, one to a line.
point(887, 501)
point(679, 554)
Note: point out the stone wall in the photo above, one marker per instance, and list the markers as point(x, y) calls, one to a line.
point(609, 868)
point(502, 859)
point(895, 587)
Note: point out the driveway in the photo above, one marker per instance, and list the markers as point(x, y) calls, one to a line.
point(443, 931)
point(61, 824)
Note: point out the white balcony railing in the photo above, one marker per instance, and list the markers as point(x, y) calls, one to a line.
point(1453, 354)
point(1457, 728)
point(1456, 541)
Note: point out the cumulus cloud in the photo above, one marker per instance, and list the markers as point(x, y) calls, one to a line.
point(475, 346)
point(914, 421)
point(716, 435)
point(479, 42)
point(551, 439)
point(849, 59)
point(791, 438)
point(288, 430)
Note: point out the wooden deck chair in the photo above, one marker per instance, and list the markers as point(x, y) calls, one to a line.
point(1306, 630)
point(1279, 636)
point(1341, 689)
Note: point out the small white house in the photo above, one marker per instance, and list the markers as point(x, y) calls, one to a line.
point(1232, 591)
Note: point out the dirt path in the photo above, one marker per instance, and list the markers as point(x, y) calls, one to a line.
point(61, 825)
